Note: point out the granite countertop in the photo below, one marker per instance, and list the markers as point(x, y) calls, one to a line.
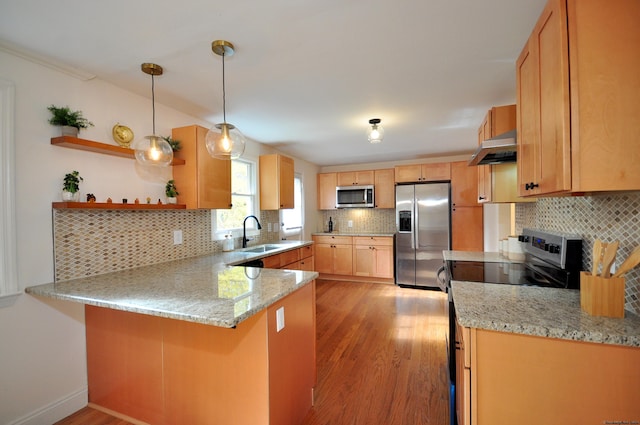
point(545, 312)
point(207, 289)
point(352, 234)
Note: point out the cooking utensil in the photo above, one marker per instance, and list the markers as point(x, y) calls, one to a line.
point(597, 256)
point(630, 262)
point(608, 258)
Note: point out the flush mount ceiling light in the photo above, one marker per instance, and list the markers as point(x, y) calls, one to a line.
point(224, 141)
point(153, 150)
point(376, 132)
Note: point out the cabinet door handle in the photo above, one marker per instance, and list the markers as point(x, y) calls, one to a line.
point(480, 198)
point(531, 185)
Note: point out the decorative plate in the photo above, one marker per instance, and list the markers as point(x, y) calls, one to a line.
point(122, 135)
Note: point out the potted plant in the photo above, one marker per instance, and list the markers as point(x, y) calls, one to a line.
point(70, 121)
point(171, 192)
point(175, 144)
point(71, 187)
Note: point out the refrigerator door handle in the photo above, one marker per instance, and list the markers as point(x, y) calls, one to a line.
point(442, 283)
point(416, 222)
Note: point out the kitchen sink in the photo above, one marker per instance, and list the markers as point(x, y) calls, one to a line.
point(262, 248)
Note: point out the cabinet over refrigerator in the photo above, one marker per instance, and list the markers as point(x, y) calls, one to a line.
point(423, 231)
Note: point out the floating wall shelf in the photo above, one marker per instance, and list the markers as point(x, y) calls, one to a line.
point(103, 148)
point(114, 206)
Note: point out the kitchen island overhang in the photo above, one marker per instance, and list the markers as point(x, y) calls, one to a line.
point(199, 341)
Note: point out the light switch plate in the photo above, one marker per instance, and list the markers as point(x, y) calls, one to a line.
point(350, 223)
point(177, 237)
point(279, 319)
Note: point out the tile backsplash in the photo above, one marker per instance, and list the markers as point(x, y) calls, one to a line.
point(608, 217)
point(363, 220)
point(91, 242)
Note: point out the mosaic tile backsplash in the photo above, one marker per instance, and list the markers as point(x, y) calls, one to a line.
point(364, 220)
point(608, 217)
point(91, 242)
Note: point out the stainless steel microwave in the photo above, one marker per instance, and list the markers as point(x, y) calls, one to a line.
point(355, 196)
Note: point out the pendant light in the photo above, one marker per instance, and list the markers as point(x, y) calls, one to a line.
point(376, 132)
point(224, 140)
point(153, 150)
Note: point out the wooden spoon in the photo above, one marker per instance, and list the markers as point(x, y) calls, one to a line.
point(597, 255)
point(608, 259)
point(631, 261)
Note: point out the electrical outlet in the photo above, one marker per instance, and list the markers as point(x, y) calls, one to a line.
point(269, 227)
point(350, 223)
point(177, 237)
point(279, 319)
point(276, 227)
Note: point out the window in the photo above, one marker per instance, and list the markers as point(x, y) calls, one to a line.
point(243, 198)
point(8, 263)
point(293, 219)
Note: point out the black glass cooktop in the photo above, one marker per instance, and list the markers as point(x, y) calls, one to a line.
point(532, 273)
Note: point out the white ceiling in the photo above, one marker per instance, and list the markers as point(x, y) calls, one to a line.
point(307, 75)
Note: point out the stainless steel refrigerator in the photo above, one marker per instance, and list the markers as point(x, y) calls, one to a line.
point(423, 231)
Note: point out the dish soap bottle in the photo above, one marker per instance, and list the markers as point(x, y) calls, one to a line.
point(330, 225)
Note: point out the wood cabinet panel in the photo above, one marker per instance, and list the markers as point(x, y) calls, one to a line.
point(349, 178)
point(333, 254)
point(467, 232)
point(464, 184)
point(276, 182)
point(292, 357)
point(373, 256)
point(385, 194)
point(577, 91)
point(327, 183)
point(413, 173)
point(572, 384)
point(203, 181)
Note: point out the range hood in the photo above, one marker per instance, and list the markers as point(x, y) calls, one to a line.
point(496, 150)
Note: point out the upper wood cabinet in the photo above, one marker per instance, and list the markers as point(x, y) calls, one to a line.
point(464, 184)
point(498, 120)
point(498, 183)
point(578, 84)
point(385, 194)
point(422, 172)
point(276, 182)
point(348, 178)
point(203, 181)
point(327, 183)
point(467, 228)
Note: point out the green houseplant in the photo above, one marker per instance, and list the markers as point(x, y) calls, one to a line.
point(71, 186)
point(70, 121)
point(175, 144)
point(172, 192)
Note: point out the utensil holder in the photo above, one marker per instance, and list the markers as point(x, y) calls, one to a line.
point(601, 296)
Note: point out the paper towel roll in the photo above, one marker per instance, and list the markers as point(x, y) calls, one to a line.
point(515, 249)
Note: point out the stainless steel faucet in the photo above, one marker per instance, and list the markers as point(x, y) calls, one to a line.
point(244, 229)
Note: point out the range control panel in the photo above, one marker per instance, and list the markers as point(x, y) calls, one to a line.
point(561, 249)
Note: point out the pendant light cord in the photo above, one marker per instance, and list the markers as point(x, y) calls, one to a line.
point(224, 94)
point(153, 104)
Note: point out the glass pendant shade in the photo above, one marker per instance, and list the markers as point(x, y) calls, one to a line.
point(153, 150)
point(376, 132)
point(225, 141)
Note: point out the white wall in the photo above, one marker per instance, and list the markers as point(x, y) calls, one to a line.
point(42, 345)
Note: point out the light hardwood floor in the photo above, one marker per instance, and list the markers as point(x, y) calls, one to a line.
point(381, 358)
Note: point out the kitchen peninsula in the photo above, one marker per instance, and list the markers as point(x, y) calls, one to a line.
point(199, 340)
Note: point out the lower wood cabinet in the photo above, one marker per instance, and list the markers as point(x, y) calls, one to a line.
point(165, 371)
point(366, 258)
point(510, 378)
point(295, 259)
point(373, 256)
point(333, 255)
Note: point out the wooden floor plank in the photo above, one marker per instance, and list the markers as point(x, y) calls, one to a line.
point(381, 358)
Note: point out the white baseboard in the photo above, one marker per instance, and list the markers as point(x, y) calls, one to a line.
point(55, 411)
